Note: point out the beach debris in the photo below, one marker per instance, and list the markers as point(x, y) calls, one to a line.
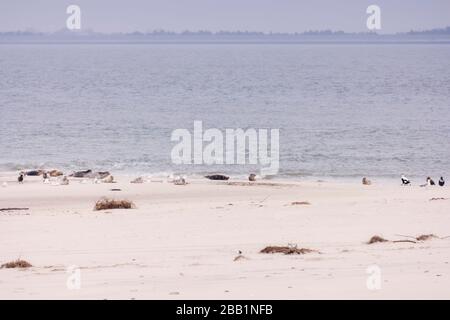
point(108, 179)
point(252, 177)
point(240, 257)
point(17, 264)
point(180, 181)
point(138, 180)
point(55, 173)
point(107, 204)
point(366, 181)
point(4, 184)
point(217, 177)
point(115, 189)
point(14, 209)
point(409, 241)
point(300, 203)
point(376, 239)
point(81, 174)
point(420, 238)
point(436, 199)
point(290, 249)
point(425, 237)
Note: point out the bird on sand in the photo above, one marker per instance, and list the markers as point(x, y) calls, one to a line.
point(405, 180)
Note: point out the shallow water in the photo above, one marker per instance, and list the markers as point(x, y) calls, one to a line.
point(342, 110)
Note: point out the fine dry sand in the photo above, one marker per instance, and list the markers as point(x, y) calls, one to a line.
point(181, 241)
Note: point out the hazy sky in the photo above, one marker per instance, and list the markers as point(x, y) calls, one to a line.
point(254, 15)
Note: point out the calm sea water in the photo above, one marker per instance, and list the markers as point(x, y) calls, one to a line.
point(342, 110)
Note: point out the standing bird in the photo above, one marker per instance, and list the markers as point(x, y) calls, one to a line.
point(20, 178)
point(405, 180)
point(430, 182)
point(45, 176)
point(441, 182)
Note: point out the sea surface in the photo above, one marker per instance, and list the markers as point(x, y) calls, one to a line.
point(343, 110)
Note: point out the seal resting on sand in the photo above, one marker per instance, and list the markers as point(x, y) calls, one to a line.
point(441, 182)
point(35, 173)
point(108, 179)
point(217, 177)
point(81, 174)
point(55, 173)
point(179, 181)
point(138, 180)
point(102, 174)
point(252, 177)
point(366, 181)
point(20, 178)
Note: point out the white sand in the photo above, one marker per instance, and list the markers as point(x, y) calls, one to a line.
point(180, 242)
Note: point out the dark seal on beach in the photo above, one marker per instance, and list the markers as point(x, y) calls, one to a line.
point(81, 174)
point(252, 177)
point(217, 177)
point(35, 173)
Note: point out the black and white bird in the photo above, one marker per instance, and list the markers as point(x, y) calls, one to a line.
point(20, 178)
point(441, 182)
point(405, 180)
point(430, 182)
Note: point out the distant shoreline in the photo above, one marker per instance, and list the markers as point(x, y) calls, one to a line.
point(443, 42)
point(227, 37)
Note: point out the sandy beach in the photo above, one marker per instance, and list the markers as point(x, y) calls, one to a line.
point(180, 242)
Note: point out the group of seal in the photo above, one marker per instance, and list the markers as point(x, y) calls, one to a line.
point(221, 177)
point(56, 173)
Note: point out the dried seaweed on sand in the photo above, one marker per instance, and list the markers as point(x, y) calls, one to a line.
point(376, 239)
point(422, 237)
point(17, 264)
point(300, 203)
point(425, 237)
point(107, 204)
point(286, 250)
